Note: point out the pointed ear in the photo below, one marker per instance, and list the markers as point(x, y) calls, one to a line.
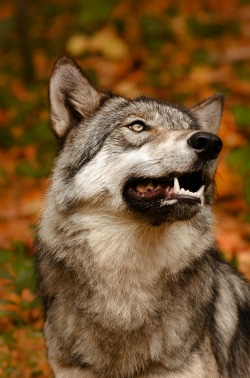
point(72, 97)
point(209, 113)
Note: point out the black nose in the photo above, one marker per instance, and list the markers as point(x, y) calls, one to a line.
point(206, 145)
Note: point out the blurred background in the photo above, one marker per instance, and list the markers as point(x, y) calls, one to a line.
point(179, 51)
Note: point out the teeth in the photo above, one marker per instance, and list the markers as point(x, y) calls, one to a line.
point(176, 185)
point(176, 189)
point(179, 190)
point(200, 191)
point(150, 186)
point(140, 188)
point(145, 188)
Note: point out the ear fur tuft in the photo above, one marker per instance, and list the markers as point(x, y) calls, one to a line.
point(72, 97)
point(209, 112)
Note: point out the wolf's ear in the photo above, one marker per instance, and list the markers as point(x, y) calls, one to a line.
point(72, 97)
point(209, 113)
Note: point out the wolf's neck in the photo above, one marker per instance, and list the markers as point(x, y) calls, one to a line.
point(130, 261)
point(117, 244)
point(124, 260)
point(143, 249)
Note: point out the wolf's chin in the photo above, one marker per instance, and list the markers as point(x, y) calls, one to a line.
point(155, 213)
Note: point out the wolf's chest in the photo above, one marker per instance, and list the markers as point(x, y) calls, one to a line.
point(144, 346)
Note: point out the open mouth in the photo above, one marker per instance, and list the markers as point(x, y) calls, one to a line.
point(168, 191)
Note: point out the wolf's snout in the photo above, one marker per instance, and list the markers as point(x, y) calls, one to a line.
point(206, 145)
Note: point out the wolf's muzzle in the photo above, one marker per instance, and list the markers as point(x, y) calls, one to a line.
point(206, 145)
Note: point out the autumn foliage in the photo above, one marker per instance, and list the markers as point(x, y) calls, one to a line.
point(180, 51)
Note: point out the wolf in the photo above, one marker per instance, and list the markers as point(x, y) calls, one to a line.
point(130, 274)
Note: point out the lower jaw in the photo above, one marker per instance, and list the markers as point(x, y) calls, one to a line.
point(163, 196)
point(157, 212)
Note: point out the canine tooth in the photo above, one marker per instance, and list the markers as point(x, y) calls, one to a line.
point(200, 191)
point(176, 185)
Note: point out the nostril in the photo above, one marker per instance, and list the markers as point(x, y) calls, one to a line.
point(206, 145)
point(200, 142)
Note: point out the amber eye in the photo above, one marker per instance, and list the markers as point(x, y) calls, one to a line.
point(137, 126)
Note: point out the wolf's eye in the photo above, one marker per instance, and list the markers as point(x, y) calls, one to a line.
point(137, 126)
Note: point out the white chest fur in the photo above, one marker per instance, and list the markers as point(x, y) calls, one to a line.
point(129, 260)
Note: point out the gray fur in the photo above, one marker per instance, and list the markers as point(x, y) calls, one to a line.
point(130, 288)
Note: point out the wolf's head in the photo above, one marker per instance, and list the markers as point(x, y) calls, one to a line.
point(142, 158)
